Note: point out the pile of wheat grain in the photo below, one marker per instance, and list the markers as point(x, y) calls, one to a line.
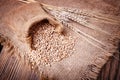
point(50, 46)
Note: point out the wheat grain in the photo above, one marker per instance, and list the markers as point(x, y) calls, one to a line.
point(50, 46)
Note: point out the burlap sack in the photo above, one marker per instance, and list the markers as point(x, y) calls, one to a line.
point(72, 55)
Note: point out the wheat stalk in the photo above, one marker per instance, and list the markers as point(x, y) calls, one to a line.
point(73, 15)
